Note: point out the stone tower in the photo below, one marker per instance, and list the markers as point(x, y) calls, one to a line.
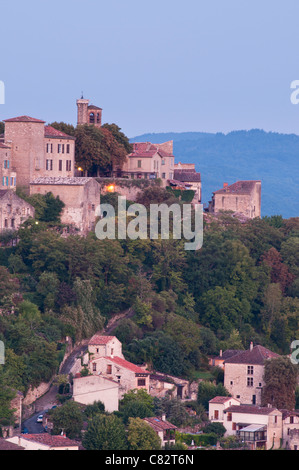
point(82, 111)
point(88, 114)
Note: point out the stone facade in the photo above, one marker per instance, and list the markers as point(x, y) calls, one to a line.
point(92, 388)
point(7, 172)
point(150, 161)
point(38, 150)
point(243, 374)
point(186, 174)
point(88, 114)
point(13, 210)
point(242, 197)
point(106, 359)
point(81, 197)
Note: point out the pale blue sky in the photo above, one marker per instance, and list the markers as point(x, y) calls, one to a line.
point(155, 66)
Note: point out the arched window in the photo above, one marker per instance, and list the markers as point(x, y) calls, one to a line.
point(91, 118)
point(98, 118)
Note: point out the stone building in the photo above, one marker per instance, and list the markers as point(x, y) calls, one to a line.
point(37, 150)
point(242, 197)
point(81, 197)
point(243, 374)
point(7, 171)
point(150, 161)
point(185, 173)
point(13, 210)
point(93, 388)
point(106, 359)
point(88, 114)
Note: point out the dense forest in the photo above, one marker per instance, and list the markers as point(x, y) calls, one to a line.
point(241, 286)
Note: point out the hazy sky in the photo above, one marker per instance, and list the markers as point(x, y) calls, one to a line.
point(153, 66)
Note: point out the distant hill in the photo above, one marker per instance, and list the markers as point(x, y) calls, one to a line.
point(242, 155)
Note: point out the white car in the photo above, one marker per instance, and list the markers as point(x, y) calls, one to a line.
point(39, 419)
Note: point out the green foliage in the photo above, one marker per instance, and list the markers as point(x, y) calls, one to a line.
point(207, 391)
point(105, 433)
point(68, 418)
point(281, 378)
point(200, 440)
point(141, 436)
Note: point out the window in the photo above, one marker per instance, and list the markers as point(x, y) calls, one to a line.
point(11, 181)
point(3, 181)
point(291, 419)
point(49, 165)
point(60, 165)
point(141, 382)
point(234, 427)
point(109, 369)
point(164, 175)
point(250, 370)
point(49, 148)
point(59, 148)
point(229, 416)
point(216, 414)
point(6, 223)
point(68, 165)
point(62, 148)
point(163, 162)
point(67, 148)
point(139, 164)
point(13, 224)
point(94, 367)
point(91, 118)
point(249, 382)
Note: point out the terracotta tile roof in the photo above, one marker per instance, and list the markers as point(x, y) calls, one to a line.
point(240, 187)
point(219, 399)
point(49, 440)
point(250, 409)
point(159, 425)
point(51, 132)
point(228, 353)
point(91, 106)
point(126, 364)
point(147, 150)
point(258, 355)
point(6, 445)
point(100, 339)
point(186, 176)
point(23, 119)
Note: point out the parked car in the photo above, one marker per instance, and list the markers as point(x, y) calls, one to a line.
point(39, 419)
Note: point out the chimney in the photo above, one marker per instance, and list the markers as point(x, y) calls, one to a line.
point(251, 346)
point(163, 417)
point(220, 354)
point(225, 185)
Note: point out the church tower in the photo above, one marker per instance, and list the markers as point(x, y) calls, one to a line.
point(88, 114)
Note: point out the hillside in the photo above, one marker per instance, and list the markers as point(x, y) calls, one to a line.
point(255, 154)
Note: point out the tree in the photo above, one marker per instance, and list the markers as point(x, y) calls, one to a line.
point(141, 436)
point(68, 418)
point(207, 391)
point(105, 432)
point(280, 377)
point(136, 404)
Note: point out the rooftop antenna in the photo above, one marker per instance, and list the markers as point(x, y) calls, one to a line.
point(82, 95)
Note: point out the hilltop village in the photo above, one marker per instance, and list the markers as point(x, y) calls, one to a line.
point(39, 159)
point(138, 345)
